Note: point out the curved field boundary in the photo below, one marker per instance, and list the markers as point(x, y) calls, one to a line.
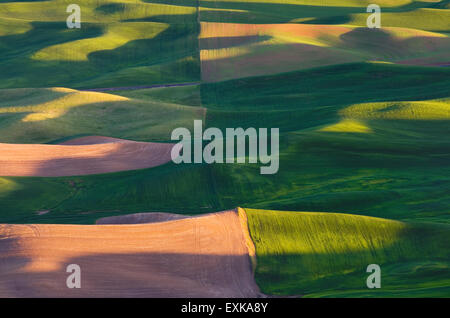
point(248, 240)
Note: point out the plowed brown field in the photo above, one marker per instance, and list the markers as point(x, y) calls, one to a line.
point(82, 156)
point(204, 256)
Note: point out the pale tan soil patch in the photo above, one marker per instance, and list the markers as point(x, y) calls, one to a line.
point(83, 156)
point(204, 256)
point(215, 29)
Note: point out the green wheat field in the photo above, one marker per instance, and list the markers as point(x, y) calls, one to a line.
point(363, 114)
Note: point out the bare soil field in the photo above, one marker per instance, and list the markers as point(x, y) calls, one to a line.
point(82, 156)
point(203, 256)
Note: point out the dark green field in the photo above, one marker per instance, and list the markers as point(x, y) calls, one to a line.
point(365, 138)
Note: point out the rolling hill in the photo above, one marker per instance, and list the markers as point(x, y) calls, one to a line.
point(326, 254)
point(363, 116)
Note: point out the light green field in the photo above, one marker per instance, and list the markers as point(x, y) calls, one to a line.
point(42, 115)
point(120, 43)
point(429, 19)
point(425, 15)
point(326, 254)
